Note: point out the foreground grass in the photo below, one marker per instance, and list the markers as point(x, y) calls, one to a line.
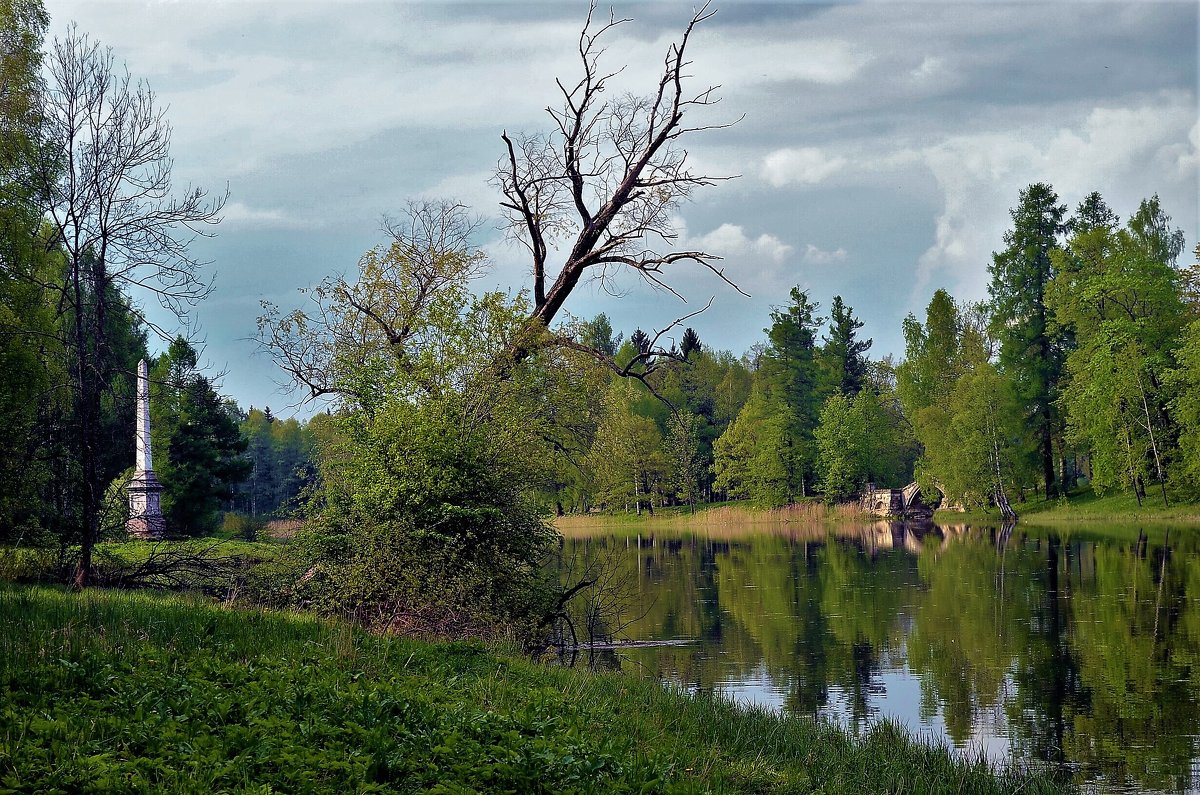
point(1085, 507)
point(132, 692)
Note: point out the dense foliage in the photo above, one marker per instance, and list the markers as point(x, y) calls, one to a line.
point(424, 510)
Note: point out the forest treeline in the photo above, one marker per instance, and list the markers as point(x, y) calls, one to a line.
point(1081, 366)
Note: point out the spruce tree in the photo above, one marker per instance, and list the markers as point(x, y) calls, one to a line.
point(844, 351)
point(791, 375)
point(1031, 350)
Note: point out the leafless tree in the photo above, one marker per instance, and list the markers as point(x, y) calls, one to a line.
point(605, 181)
point(104, 178)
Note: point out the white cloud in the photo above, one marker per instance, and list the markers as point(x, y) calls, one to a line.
point(804, 166)
point(1125, 153)
point(930, 66)
point(242, 215)
point(731, 240)
point(817, 256)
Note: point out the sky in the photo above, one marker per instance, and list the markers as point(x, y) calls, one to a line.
point(878, 149)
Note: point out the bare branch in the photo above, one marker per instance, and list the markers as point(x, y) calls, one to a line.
point(644, 363)
point(606, 180)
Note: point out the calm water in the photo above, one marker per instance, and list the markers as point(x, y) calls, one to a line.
point(1078, 650)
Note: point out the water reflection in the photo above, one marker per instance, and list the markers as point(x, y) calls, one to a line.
point(1082, 651)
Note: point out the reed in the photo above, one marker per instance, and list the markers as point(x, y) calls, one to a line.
point(726, 515)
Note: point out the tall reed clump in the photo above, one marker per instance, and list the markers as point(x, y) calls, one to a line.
point(811, 512)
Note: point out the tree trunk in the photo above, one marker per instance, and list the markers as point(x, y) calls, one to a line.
point(1048, 455)
point(1158, 467)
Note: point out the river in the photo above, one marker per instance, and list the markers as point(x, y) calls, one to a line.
point(1077, 649)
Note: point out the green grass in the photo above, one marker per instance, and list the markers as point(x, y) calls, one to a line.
point(1086, 507)
point(137, 692)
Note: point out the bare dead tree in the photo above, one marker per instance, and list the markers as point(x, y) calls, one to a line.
point(104, 179)
point(606, 179)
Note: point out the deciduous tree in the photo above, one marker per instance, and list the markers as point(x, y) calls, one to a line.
point(103, 179)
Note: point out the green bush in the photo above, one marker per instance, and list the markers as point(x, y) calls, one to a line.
point(241, 526)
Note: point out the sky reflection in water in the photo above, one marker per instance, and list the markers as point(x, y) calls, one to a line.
point(1079, 650)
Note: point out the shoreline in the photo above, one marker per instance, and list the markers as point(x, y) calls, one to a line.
point(1082, 510)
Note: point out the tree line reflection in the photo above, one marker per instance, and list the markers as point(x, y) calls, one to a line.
point(1082, 651)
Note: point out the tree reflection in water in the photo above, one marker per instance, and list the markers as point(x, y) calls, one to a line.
point(1081, 650)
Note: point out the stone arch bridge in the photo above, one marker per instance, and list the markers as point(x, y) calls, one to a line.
point(906, 502)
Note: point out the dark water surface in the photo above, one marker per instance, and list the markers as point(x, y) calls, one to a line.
point(1079, 649)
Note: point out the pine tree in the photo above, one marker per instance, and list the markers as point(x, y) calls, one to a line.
point(690, 343)
point(203, 444)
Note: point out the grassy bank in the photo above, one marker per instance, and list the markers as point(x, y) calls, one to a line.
point(196, 560)
point(133, 692)
point(1086, 508)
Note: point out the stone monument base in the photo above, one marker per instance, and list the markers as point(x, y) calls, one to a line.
point(149, 528)
point(145, 511)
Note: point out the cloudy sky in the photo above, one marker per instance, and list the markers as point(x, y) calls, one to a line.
point(881, 148)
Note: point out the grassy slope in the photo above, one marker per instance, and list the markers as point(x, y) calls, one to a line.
point(132, 692)
point(1085, 508)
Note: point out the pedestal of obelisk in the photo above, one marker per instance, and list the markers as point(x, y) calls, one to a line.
point(145, 492)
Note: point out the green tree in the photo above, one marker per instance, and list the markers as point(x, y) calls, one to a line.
point(685, 458)
point(1119, 293)
point(690, 343)
point(598, 335)
point(626, 458)
point(204, 447)
point(1030, 350)
point(929, 369)
point(844, 352)
point(261, 484)
point(1184, 382)
point(790, 373)
point(862, 439)
point(842, 443)
point(426, 504)
point(30, 356)
point(981, 462)
point(925, 381)
point(963, 407)
point(756, 458)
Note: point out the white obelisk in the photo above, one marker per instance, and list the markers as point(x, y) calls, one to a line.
point(145, 512)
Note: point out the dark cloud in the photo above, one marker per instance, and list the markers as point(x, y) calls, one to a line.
point(881, 147)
